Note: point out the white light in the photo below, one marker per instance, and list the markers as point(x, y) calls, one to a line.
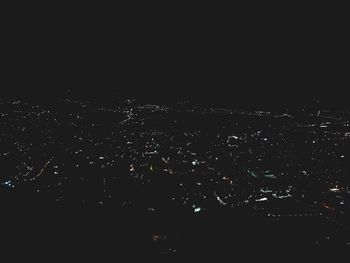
point(8, 183)
point(261, 199)
point(334, 189)
point(197, 209)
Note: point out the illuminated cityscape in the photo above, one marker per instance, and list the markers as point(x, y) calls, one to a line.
point(174, 133)
point(179, 178)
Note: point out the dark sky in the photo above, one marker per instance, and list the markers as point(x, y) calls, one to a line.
point(240, 61)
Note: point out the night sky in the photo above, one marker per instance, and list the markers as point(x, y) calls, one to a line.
point(236, 60)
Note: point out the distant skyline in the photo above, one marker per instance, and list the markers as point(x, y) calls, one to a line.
point(205, 82)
